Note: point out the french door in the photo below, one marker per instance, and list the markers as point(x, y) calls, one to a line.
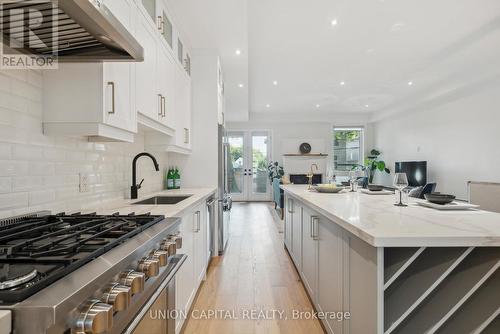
point(249, 154)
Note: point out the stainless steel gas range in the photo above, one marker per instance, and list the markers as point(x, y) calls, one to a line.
point(83, 274)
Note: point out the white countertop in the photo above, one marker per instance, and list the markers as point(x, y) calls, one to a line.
point(176, 210)
point(381, 224)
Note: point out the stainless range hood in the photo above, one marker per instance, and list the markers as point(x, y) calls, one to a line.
point(87, 31)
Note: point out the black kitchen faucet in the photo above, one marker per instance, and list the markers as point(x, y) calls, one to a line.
point(135, 187)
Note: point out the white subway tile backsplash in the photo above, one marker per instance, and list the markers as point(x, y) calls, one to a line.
point(5, 83)
point(13, 102)
point(39, 172)
point(13, 200)
point(41, 197)
point(41, 168)
point(5, 185)
point(53, 154)
point(26, 90)
point(12, 168)
point(25, 183)
point(75, 156)
point(27, 152)
point(5, 151)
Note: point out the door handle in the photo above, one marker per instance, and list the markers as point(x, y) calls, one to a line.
point(160, 108)
point(290, 205)
point(112, 84)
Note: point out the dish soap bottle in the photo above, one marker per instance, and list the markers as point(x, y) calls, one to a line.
point(177, 179)
point(170, 178)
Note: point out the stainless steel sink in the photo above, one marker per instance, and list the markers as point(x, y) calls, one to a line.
point(162, 200)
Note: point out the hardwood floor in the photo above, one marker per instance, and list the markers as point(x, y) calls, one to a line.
point(254, 275)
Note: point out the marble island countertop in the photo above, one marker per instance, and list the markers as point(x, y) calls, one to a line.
point(126, 206)
point(381, 224)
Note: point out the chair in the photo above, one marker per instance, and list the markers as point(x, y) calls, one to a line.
point(420, 192)
point(278, 196)
point(484, 194)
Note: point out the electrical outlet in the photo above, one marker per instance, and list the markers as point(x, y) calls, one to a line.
point(84, 183)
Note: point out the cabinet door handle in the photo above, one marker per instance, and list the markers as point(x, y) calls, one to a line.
point(160, 111)
point(112, 84)
point(198, 221)
point(314, 227)
point(161, 24)
point(186, 136)
point(195, 222)
point(164, 106)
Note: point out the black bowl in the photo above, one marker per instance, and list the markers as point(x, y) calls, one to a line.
point(375, 187)
point(438, 198)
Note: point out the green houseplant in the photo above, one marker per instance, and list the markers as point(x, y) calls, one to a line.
point(275, 171)
point(372, 164)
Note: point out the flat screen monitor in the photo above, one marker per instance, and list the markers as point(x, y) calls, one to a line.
point(416, 171)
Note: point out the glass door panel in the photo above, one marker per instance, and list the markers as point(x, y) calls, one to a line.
point(236, 168)
point(249, 156)
point(260, 160)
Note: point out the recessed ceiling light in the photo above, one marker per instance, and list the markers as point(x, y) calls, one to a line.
point(366, 106)
point(342, 83)
point(240, 85)
point(410, 83)
point(275, 83)
point(317, 106)
point(334, 22)
point(238, 52)
point(268, 105)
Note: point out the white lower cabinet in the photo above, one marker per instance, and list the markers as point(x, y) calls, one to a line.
point(293, 230)
point(194, 230)
point(322, 248)
point(309, 253)
point(297, 233)
point(330, 272)
point(288, 224)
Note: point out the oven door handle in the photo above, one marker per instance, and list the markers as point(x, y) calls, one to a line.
point(170, 279)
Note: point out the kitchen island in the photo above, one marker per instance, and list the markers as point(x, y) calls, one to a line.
point(392, 269)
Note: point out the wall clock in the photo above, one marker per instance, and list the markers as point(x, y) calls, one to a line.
point(305, 148)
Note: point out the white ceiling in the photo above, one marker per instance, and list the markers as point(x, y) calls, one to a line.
point(377, 47)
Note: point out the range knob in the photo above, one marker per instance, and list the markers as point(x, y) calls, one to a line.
point(169, 246)
point(177, 239)
point(95, 317)
point(150, 266)
point(134, 280)
point(161, 256)
point(117, 295)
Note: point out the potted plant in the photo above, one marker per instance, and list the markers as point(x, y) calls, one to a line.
point(372, 164)
point(275, 171)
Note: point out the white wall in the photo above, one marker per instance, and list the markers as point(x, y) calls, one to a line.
point(41, 172)
point(459, 139)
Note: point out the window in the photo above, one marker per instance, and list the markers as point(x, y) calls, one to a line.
point(347, 148)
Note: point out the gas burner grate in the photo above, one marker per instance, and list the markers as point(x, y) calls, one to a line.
point(64, 242)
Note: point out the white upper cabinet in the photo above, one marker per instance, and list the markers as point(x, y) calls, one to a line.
point(106, 101)
point(93, 100)
point(149, 102)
